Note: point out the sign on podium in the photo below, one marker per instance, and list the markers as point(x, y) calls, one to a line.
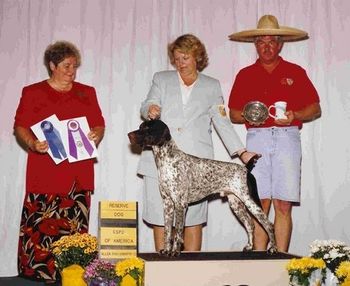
point(118, 230)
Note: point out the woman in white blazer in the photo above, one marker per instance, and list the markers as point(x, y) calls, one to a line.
point(188, 102)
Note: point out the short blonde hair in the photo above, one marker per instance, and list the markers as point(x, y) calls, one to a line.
point(59, 51)
point(189, 44)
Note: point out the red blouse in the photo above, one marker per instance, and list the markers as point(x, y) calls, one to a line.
point(40, 101)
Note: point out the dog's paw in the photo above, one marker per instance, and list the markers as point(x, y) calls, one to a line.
point(248, 248)
point(175, 253)
point(272, 250)
point(165, 252)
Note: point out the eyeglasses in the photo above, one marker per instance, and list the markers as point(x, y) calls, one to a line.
point(261, 43)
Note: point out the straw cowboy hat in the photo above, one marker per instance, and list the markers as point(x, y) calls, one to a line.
point(268, 26)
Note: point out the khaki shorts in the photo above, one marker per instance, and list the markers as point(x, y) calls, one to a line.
point(277, 172)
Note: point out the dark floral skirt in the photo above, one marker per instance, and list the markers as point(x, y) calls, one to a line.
point(45, 219)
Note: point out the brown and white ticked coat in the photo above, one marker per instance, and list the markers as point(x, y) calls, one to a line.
point(185, 179)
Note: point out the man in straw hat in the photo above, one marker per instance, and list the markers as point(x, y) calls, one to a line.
point(269, 80)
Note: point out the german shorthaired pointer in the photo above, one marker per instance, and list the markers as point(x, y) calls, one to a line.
point(184, 179)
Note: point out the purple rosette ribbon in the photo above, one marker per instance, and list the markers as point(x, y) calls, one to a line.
point(74, 129)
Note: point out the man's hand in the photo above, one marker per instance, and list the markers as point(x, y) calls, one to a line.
point(287, 121)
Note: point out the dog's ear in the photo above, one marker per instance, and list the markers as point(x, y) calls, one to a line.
point(166, 134)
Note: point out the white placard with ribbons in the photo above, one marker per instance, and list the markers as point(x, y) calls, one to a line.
point(67, 139)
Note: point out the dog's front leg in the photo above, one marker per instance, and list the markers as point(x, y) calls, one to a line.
point(168, 225)
point(180, 210)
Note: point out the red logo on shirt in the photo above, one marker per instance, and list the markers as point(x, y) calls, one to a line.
point(287, 81)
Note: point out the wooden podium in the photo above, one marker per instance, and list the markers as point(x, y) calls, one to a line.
point(256, 268)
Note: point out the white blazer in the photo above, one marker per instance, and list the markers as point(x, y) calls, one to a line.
point(191, 124)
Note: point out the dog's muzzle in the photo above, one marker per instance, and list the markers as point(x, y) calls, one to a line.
point(135, 137)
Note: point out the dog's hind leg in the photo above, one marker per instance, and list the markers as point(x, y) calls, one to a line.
point(261, 217)
point(243, 215)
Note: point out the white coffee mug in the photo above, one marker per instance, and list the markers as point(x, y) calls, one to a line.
point(280, 109)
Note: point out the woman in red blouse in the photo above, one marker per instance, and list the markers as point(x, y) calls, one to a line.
point(57, 200)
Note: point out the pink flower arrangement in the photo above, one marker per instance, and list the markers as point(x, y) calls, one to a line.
point(101, 272)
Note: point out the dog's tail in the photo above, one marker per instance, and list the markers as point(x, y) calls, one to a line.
point(253, 188)
point(251, 182)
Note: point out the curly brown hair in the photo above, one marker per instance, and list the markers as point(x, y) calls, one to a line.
point(59, 51)
point(189, 44)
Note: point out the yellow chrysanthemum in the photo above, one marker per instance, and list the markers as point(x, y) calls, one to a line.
point(305, 264)
point(125, 266)
point(80, 248)
point(343, 271)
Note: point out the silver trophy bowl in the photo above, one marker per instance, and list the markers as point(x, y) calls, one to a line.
point(255, 112)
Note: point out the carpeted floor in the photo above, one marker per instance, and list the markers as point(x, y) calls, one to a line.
point(18, 281)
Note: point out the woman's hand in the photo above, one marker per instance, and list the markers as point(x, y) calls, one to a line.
point(153, 111)
point(27, 140)
point(96, 134)
point(39, 146)
point(245, 156)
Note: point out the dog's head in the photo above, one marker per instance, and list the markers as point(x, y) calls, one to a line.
point(150, 133)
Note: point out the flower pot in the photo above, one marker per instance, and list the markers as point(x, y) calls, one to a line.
point(73, 275)
point(315, 278)
point(331, 279)
point(100, 282)
point(128, 280)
